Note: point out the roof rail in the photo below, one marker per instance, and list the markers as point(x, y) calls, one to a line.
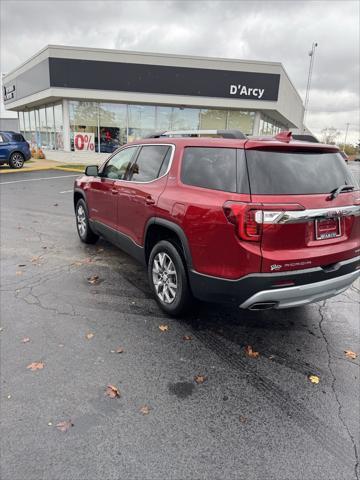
point(234, 134)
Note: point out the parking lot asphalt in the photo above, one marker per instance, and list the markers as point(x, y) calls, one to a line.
point(252, 418)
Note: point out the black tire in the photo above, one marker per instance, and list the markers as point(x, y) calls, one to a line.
point(183, 299)
point(16, 160)
point(82, 223)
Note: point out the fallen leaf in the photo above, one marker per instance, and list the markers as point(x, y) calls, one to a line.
point(89, 336)
point(44, 248)
point(314, 378)
point(21, 265)
point(112, 392)
point(145, 410)
point(250, 352)
point(199, 379)
point(350, 354)
point(25, 340)
point(18, 272)
point(242, 419)
point(35, 259)
point(187, 337)
point(119, 350)
point(56, 204)
point(63, 426)
point(163, 328)
point(35, 366)
point(93, 280)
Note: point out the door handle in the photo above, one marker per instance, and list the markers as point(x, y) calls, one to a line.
point(114, 191)
point(149, 200)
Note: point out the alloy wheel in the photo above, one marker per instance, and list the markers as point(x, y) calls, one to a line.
point(164, 277)
point(17, 160)
point(81, 220)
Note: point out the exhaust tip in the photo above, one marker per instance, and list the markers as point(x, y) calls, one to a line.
point(262, 306)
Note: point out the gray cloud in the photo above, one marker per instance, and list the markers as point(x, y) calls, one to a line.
point(274, 31)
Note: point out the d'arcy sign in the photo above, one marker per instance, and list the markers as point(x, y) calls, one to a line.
point(243, 90)
point(163, 79)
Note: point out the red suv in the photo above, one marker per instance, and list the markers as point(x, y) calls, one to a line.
point(265, 223)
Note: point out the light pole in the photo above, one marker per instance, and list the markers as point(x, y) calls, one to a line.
point(312, 56)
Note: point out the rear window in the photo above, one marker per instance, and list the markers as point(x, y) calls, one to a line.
point(296, 173)
point(213, 168)
point(16, 137)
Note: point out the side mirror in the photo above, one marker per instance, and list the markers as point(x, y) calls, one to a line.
point(92, 171)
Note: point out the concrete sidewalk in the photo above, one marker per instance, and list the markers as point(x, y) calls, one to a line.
point(34, 165)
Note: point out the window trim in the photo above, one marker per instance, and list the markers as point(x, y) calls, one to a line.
point(171, 145)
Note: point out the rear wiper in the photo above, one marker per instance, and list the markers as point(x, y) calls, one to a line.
point(334, 193)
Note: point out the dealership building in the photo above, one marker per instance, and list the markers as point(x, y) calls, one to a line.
point(73, 99)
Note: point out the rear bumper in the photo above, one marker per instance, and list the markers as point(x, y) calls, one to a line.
point(310, 285)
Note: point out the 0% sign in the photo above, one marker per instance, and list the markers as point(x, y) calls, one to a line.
point(84, 141)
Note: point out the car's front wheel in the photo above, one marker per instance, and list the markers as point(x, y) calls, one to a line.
point(16, 160)
point(168, 279)
point(82, 223)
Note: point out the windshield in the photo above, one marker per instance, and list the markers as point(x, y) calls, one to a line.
point(299, 172)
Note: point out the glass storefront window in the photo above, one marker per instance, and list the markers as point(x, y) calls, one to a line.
point(33, 136)
point(185, 119)
point(21, 122)
point(241, 120)
point(212, 119)
point(26, 126)
point(43, 129)
point(113, 126)
point(50, 127)
point(58, 121)
point(83, 118)
point(141, 121)
point(163, 118)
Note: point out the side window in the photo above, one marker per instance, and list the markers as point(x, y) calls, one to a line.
point(213, 168)
point(149, 163)
point(119, 165)
point(2, 139)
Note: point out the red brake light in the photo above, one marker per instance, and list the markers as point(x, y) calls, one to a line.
point(242, 215)
point(249, 218)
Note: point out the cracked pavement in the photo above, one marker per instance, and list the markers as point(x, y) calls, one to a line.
point(252, 418)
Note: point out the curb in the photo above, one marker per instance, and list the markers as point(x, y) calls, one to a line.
point(22, 170)
point(65, 169)
point(39, 169)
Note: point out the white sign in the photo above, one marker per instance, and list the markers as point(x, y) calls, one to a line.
point(241, 90)
point(84, 141)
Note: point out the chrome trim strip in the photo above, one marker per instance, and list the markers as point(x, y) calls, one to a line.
point(303, 216)
point(303, 294)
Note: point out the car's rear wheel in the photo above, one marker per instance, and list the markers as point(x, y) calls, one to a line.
point(16, 160)
point(82, 223)
point(168, 279)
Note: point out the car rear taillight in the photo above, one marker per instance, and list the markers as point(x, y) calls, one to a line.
point(249, 218)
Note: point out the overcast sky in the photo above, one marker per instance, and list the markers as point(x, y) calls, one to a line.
point(281, 31)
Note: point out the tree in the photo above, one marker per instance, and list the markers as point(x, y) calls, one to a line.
point(329, 135)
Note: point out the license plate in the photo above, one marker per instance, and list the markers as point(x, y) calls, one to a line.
point(327, 228)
